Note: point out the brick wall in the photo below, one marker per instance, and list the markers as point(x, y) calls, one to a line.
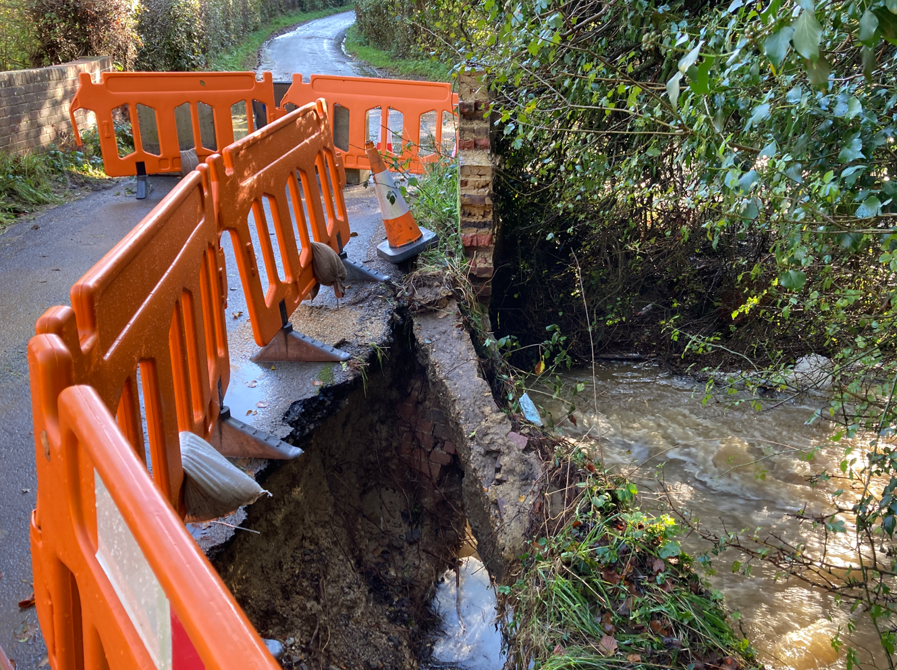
point(477, 219)
point(426, 444)
point(34, 104)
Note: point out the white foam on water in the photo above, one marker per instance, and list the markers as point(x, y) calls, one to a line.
point(477, 644)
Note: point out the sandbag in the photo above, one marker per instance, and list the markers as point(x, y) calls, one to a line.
point(328, 268)
point(189, 161)
point(213, 487)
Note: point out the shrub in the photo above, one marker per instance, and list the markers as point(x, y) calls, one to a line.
point(69, 29)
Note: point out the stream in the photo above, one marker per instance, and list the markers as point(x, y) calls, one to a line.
point(734, 469)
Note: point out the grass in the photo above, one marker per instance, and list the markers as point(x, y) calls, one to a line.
point(431, 70)
point(44, 177)
point(608, 586)
point(244, 56)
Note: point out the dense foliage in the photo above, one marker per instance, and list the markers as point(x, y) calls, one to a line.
point(65, 30)
point(692, 178)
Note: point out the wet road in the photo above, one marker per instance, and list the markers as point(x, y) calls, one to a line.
point(41, 258)
point(39, 261)
point(313, 48)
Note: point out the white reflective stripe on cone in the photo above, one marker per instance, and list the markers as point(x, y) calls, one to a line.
point(391, 206)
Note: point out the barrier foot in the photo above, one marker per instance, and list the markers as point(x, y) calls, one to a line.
point(356, 272)
point(403, 253)
point(235, 439)
point(143, 185)
point(288, 345)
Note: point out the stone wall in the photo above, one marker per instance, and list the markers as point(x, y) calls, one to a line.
point(34, 104)
point(474, 146)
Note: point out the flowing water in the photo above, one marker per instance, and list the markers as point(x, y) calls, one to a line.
point(735, 469)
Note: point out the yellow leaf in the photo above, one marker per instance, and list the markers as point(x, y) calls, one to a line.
point(540, 367)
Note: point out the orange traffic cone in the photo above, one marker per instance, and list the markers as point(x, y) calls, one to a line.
point(404, 238)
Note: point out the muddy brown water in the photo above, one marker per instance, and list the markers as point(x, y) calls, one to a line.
point(732, 468)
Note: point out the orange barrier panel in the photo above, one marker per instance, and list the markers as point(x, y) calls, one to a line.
point(154, 103)
point(286, 171)
point(147, 328)
point(119, 582)
point(360, 107)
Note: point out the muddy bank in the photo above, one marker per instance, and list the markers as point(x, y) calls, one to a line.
point(358, 529)
point(347, 551)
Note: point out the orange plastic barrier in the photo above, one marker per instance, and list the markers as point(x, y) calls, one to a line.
point(147, 328)
point(360, 97)
point(286, 171)
point(119, 583)
point(158, 95)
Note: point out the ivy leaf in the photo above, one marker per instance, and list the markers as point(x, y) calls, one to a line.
point(891, 5)
point(673, 90)
point(870, 208)
point(669, 550)
point(761, 113)
point(853, 107)
point(769, 150)
point(793, 279)
point(868, 28)
point(750, 211)
point(852, 150)
point(748, 180)
point(807, 34)
point(794, 172)
point(818, 72)
point(700, 83)
point(776, 45)
point(869, 62)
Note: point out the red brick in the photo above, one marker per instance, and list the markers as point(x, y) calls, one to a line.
point(426, 440)
point(482, 143)
point(483, 271)
point(424, 426)
point(441, 457)
point(518, 439)
point(478, 240)
point(465, 145)
point(435, 471)
point(449, 447)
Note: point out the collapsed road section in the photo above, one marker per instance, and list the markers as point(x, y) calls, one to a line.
point(375, 472)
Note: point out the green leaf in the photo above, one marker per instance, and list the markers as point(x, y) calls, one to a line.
point(853, 107)
point(776, 45)
point(653, 151)
point(807, 34)
point(669, 550)
point(868, 28)
point(673, 90)
point(869, 62)
point(748, 180)
point(700, 82)
point(750, 211)
point(870, 208)
point(891, 5)
point(761, 113)
point(689, 59)
point(769, 150)
point(793, 279)
point(794, 172)
point(818, 72)
point(851, 151)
